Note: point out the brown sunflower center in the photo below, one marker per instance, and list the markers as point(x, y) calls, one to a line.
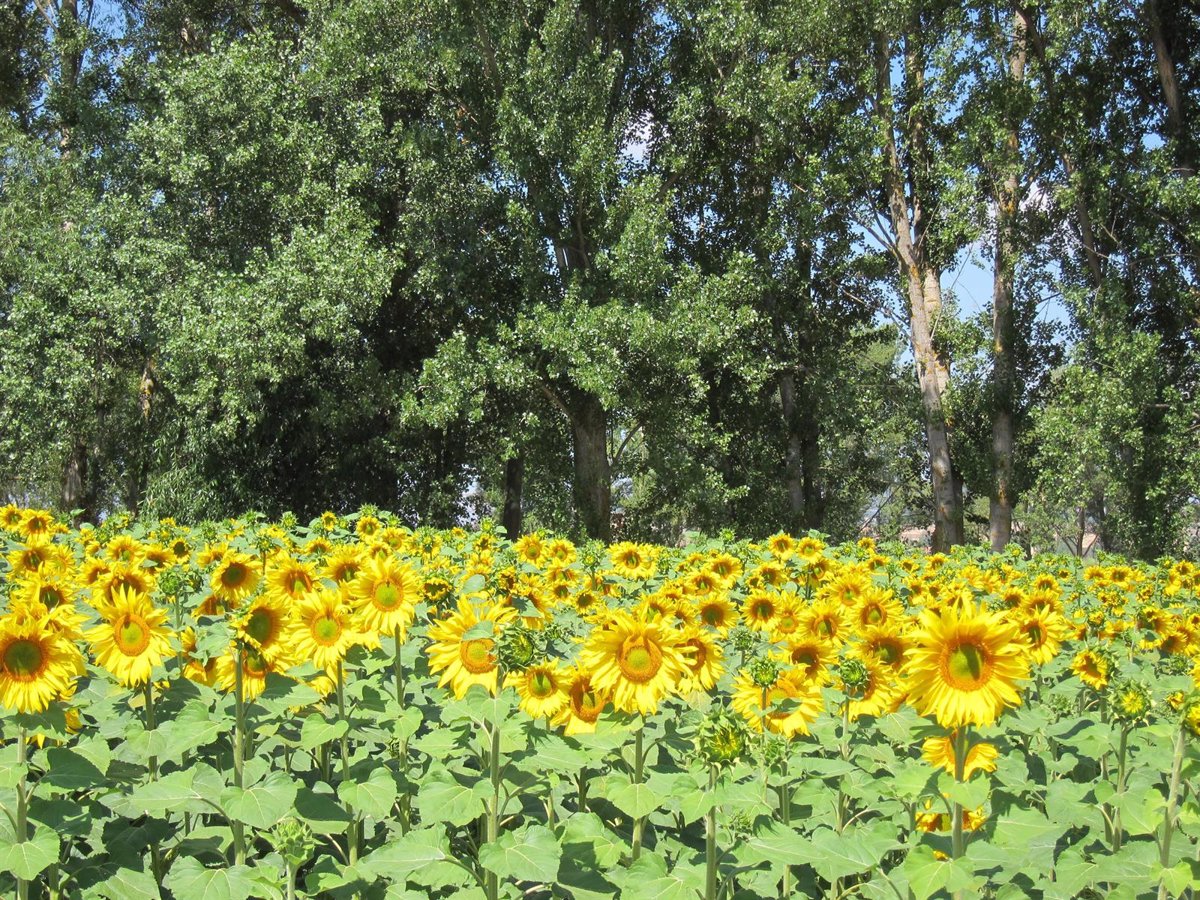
point(762, 609)
point(235, 575)
point(131, 634)
point(1034, 632)
point(51, 596)
point(873, 615)
point(254, 663)
point(24, 659)
point(326, 630)
point(639, 659)
point(699, 655)
point(586, 704)
point(712, 615)
point(476, 655)
point(825, 627)
point(888, 652)
point(260, 626)
point(967, 666)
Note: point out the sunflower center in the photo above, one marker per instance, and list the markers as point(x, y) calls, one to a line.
point(873, 616)
point(889, 653)
point(762, 610)
point(806, 657)
point(639, 659)
point(51, 597)
point(585, 703)
point(259, 627)
point(476, 655)
point(131, 635)
point(234, 575)
point(387, 596)
point(254, 663)
point(787, 624)
point(825, 627)
point(24, 659)
point(1035, 634)
point(541, 685)
point(967, 667)
point(699, 657)
point(326, 630)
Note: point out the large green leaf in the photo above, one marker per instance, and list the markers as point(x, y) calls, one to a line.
point(422, 857)
point(442, 799)
point(373, 795)
point(531, 853)
point(633, 799)
point(25, 859)
point(190, 880)
point(263, 804)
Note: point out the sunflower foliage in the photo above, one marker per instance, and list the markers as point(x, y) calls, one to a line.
point(352, 708)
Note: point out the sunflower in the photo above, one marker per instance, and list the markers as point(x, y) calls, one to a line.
point(37, 664)
point(930, 821)
point(965, 665)
point(38, 523)
point(888, 645)
point(265, 626)
point(323, 629)
point(584, 704)
point(787, 707)
point(133, 638)
point(193, 669)
point(939, 753)
point(717, 613)
point(121, 577)
point(640, 662)
point(826, 620)
point(541, 688)
point(1092, 667)
point(1044, 631)
point(781, 545)
point(633, 561)
point(848, 586)
point(38, 556)
point(385, 594)
point(530, 549)
point(289, 578)
point(256, 667)
point(810, 657)
point(235, 578)
point(879, 691)
point(464, 661)
point(876, 608)
point(10, 517)
point(759, 610)
point(703, 662)
point(725, 567)
point(343, 564)
point(787, 618)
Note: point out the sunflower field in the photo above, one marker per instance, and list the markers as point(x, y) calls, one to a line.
point(351, 708)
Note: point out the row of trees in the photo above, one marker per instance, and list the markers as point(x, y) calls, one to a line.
point(682, 260)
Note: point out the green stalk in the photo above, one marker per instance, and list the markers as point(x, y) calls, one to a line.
point(639, 762)
point(960, 764)
point(1118, 831)
point(155, 852)
point(22, 807)
point(405, 814)
point(710, 840)
point(291, 880)
point(344, 748)
point(581, 787)
point(785, 813)
point(492, 885)
point(239, 729)
point(1168, 825)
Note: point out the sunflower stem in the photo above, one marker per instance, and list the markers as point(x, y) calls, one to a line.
point(1117, 828)
point(344, 749)
point(405, 813)
point(785, 813)
point(581, 788)
point(492, 885)
point(291, 880)
point(148, 695)
point(639, 762)
point(710, 839)
point(959, 738)
point(1168, 825)
point(22, 808)
point(239, 728)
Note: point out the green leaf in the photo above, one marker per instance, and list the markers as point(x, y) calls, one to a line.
point(442, 799)
point(319, 807)
point(129, 884)
point(527, 854)
point(474, 584)
point(372, 796)
point(25, 859)
point(926, 873)
point(1030, 834)
point(587, 830)
point(67, 769)
point(316, 731)
point(777, 843)
point(190, 880)
point(635, 800)
point(422, 856)
point(262, 804)
point(854, 850)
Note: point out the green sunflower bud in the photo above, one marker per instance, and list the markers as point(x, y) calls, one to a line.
point(721, 739)
point(294, 841)
point(763, 671)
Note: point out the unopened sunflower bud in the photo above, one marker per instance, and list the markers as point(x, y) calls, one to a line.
point(855, 676)
point(763, 671)
point(294, 841)
point(721, 738)
point(516, 648)
point(1130, 703)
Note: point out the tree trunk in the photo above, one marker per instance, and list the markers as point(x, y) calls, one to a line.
point(1172, 97)
point(514, 477)
point(75, 484)
point(1004, 369)
point(924, 301)
point(793, 466)
point(593, 480)
point(802, 466)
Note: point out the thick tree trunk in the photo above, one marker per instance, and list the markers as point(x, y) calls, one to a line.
point(514, 477)
point(1004, 370)
point(924, 301)
point(802, 465)
point(593, 479)
point(793, 467)
point(1172, 97)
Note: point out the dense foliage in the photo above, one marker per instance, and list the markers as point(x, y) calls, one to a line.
point(355, 709)
point(668, 266)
